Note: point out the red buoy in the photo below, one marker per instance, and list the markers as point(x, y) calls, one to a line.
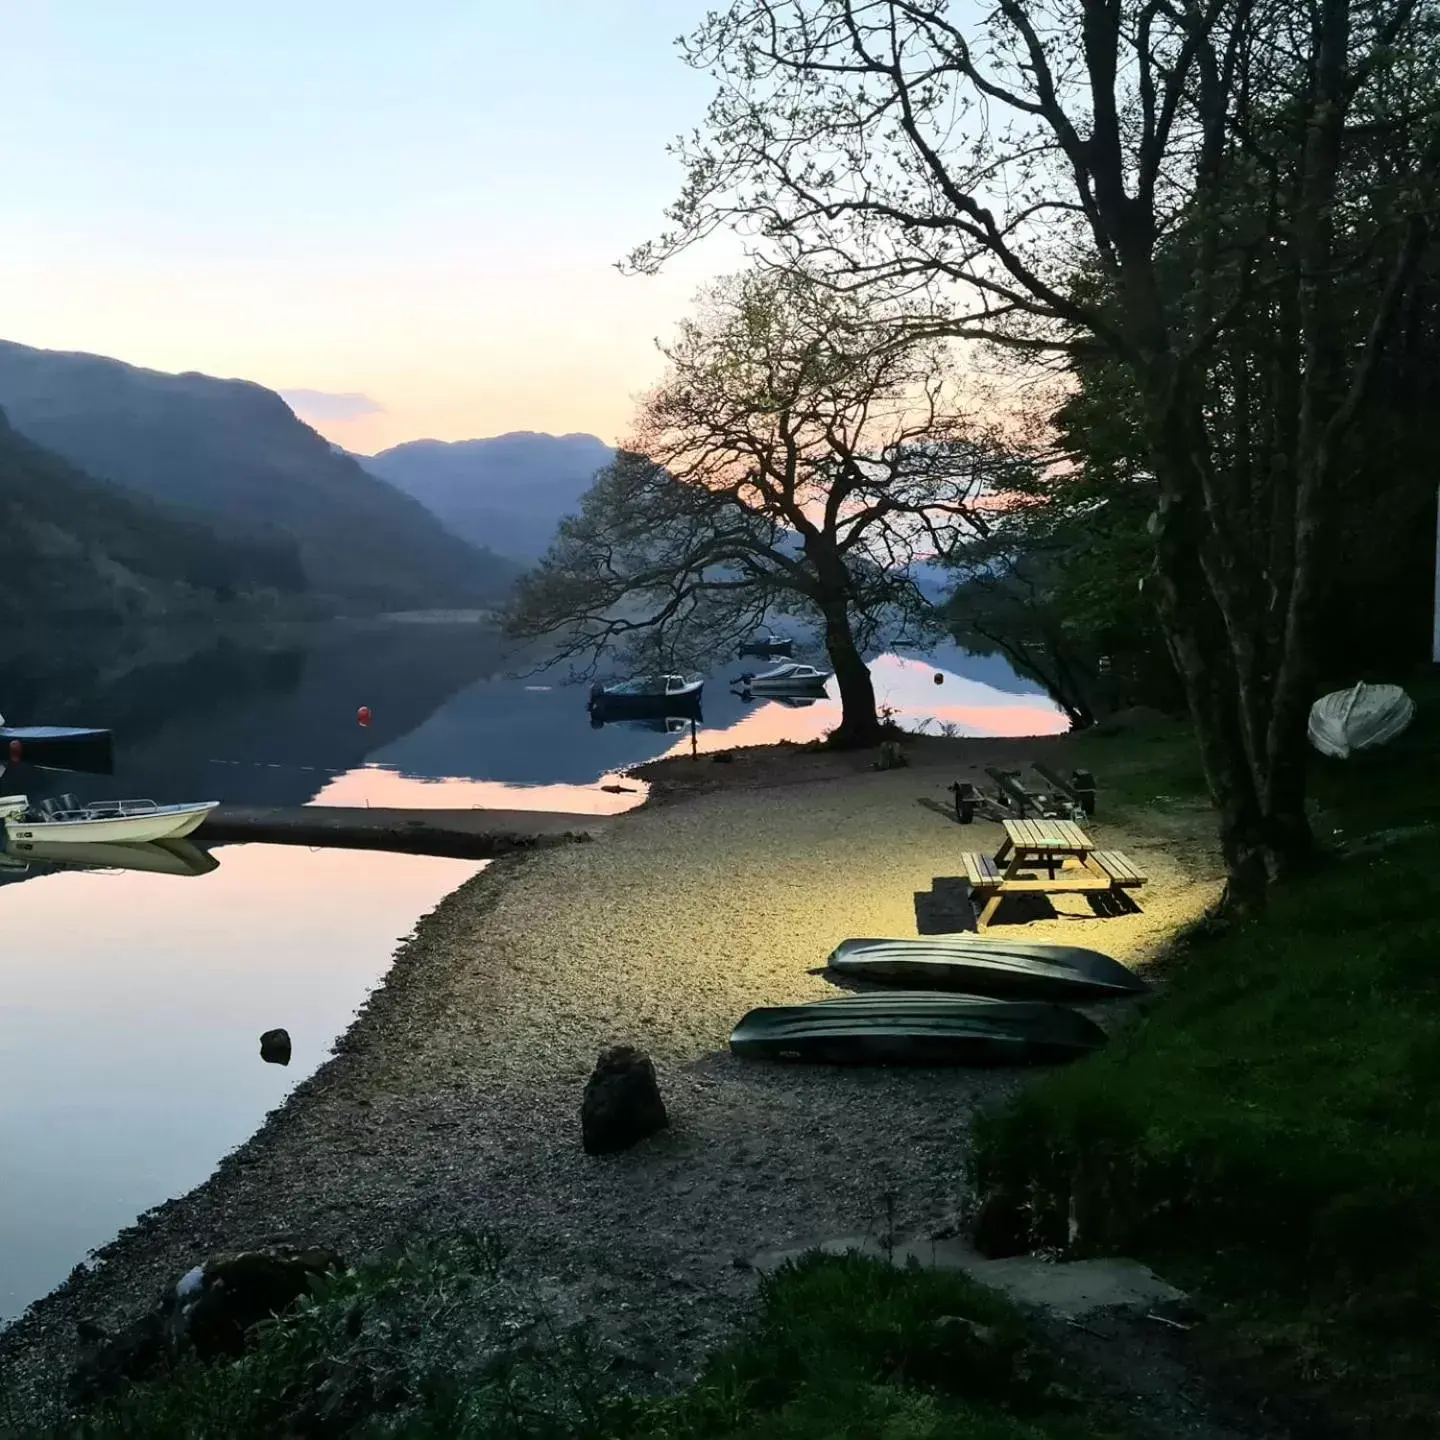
point(364, 715)
point(16, 751)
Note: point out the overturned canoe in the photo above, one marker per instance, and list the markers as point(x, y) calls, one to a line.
point(1359, 718)
point(987, 967)
point(917, 1029)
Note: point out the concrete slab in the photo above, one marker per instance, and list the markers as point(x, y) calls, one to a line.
point(1068, 1289)
point(478, 834)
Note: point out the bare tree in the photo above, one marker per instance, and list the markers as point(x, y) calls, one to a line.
point(990, 159)
point(797, 456)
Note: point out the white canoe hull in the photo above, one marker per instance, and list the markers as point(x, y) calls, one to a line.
point(165, 822)
point(1359, 718)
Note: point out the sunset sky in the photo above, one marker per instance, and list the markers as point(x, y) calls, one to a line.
point(408, 212)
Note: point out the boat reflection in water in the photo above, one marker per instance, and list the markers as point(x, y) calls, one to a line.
point(155, 857)
point(658, 724)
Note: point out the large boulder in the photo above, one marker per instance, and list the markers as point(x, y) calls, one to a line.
point(209, 1313)
point(622, 1103)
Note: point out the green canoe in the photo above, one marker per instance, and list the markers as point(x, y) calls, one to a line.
point(917, 1029)
point(987, 967)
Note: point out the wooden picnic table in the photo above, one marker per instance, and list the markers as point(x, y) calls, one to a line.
point(1032, 844)
point(1029, 842)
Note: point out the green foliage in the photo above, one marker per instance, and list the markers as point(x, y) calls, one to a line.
point(432, 1340)
point(432, 1343)
point(848, 1347)
point(1271, 1130)
point(75, 547)
point(233, 456)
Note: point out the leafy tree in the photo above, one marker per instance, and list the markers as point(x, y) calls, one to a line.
point(994, 157)
point(797, 456)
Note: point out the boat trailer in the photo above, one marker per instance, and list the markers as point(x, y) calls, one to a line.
point(1072, 799)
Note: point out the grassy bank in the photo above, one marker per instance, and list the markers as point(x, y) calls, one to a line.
point(433, 1343)
point(1270, 1133)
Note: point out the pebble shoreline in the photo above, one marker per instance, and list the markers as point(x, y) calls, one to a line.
point(453, 1101)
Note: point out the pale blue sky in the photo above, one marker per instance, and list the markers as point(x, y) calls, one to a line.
point(418, 202)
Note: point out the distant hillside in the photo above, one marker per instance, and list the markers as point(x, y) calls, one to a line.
point(508, 493)
point(235, 454)
point(74, 548)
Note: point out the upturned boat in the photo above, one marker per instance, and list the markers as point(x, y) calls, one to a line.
point(1359, 718)
point(917, 1029)
point(987, 967)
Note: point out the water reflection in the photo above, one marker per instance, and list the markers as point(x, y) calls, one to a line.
point(128, 1059)
point(270, 718)
point(155, 857)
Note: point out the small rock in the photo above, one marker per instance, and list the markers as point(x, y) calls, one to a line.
point(722, 757)
point(275, 1047)
point(622, 1103)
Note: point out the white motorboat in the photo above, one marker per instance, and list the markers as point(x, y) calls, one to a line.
point(1359, 718)
point(786, 679)
point(67, 821)
point(13, 807)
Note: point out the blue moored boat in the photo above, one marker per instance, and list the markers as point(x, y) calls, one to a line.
point(656, 695)
point(58, 747)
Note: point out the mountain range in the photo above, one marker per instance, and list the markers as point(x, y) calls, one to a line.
point(507, 493)
point(229, 460)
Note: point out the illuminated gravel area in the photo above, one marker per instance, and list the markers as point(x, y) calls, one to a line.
point(454, 1099)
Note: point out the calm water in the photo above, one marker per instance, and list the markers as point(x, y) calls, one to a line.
point(131, 1004)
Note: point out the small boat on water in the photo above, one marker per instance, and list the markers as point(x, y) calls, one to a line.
point(917, 1029)
point(154, 857)
point(987, 967)
point(767, 646)
point(1359, 718)
point(662, 695)
point(59, 747)
point(789, 678)
point(66, 821)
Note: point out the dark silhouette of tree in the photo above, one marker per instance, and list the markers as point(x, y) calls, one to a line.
point(797, 456)
point(989, 160)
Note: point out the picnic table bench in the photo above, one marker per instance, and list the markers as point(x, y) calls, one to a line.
point(1072, 865)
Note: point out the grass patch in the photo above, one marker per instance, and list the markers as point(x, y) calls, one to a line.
point(1270, 1133)
point(432, 1344)
point(852, 1349)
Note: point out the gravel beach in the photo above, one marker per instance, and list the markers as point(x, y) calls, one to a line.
point(453, 1100)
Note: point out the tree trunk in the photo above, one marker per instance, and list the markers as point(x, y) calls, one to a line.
point(1201, 646)
point(859, 724)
